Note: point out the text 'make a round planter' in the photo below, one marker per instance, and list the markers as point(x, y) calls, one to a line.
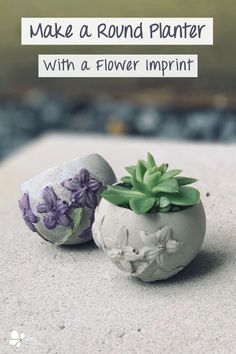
point(59, 203)
point(151, 246)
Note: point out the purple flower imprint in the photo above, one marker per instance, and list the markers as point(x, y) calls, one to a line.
point(28, 215)
point(83, 189)
point(55, 209)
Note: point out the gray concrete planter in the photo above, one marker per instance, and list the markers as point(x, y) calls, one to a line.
point(151, 246)
point(59, 203)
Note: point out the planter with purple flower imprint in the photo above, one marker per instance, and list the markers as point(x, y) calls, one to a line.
point(59, 203)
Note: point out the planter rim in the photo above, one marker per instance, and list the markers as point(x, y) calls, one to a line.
point(153, 214)
point(63, 164)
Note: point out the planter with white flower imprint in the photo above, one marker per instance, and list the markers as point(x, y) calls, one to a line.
point(152, 224)
point(59, 203)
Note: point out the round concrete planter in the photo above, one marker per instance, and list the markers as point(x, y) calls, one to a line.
point(151, 246)
point(59, 203)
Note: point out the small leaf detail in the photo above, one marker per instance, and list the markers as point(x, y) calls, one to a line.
point(187, 196)
point(140, 171)
point(169, 174)
point(183, 181)
point(168, 186)
point(150, 161)
point(130, 169)
point(141, 205)
point(164, 202)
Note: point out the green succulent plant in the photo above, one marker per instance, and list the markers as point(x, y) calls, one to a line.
point(150, 188)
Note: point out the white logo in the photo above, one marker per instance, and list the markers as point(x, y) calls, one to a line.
point(16, 338)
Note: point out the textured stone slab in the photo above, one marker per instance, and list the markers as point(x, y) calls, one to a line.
point(73, 300)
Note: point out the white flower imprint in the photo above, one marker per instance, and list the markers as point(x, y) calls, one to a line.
point(123, 254)
point(16, 338)
point(156, 249)
point(159, 245)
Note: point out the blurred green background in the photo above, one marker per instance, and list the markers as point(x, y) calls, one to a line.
point(216, 63)
point(200, 109)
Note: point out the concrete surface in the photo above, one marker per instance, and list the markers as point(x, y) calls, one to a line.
point(73, 300)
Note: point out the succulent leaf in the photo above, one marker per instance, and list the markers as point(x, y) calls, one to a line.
point(130, 169)
point(140, 171)
point(164, 202)
point(170, 174)
point(183, 181)
point(126, 179)
point(153, 169)
point(150, 161)
point(163, 168)
point(144, 163)
point(168, 186)
point(187, 196)
point(120, 195)
point(140, 186)
point(141, 205)
point(152, 179)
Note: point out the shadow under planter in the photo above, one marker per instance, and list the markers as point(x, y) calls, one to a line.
point(202, 265)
